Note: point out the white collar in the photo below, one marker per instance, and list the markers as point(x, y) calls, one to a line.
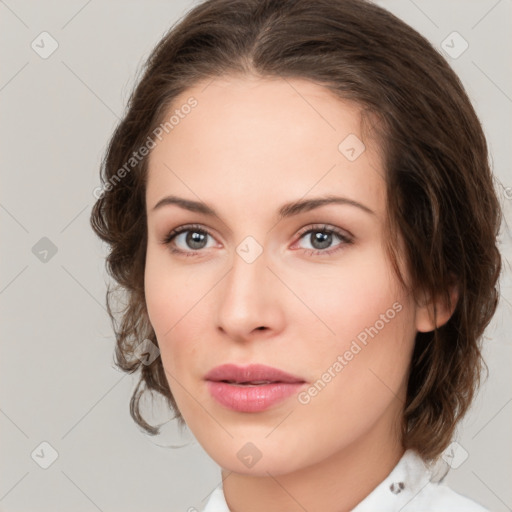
point(408, 488)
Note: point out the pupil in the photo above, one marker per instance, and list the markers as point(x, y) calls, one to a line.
point(324, 239)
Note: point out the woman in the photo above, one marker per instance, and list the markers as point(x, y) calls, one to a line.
point(301, 215)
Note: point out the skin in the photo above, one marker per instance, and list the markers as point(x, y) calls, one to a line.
point(248, 147)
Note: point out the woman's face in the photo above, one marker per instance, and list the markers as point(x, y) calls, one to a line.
point(307, 290)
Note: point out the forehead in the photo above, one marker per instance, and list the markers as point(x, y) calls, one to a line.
point(264, 139)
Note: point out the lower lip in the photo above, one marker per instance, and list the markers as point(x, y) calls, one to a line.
point(252, 398)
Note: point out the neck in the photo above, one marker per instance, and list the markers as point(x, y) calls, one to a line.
point(336, 484)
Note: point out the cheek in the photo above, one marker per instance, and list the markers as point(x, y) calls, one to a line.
point(176, 301)
point(365, 336)
point(170, 292)
point(166, 299)
point(355, 383)
point(160, 303)
point(350, 296)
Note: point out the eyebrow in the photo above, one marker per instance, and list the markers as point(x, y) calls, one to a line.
point(287, 210)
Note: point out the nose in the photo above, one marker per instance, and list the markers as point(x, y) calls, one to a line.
point(250, 301)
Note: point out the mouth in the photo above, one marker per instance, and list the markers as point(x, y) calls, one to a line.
point(251, 375)
point(251, 389)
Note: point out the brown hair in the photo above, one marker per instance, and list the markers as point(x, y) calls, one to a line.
point(441, 199)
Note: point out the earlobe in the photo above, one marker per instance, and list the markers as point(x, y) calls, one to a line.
point(425, 311)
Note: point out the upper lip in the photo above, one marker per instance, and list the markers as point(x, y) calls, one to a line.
point(250, 373)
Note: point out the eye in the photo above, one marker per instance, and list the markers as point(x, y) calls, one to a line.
point(191, 237)
point(321, 238)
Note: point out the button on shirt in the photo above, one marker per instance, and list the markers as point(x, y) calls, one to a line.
point(408, 488)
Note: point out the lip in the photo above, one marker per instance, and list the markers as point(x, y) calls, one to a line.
point(252, 372)
point(225, 384)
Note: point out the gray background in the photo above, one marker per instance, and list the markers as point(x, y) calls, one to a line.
point(58, 382)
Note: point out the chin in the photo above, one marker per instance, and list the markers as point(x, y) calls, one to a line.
point(259, 457)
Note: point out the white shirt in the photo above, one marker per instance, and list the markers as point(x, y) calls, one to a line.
point(408, 488)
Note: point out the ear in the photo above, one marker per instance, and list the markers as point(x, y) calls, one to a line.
point(425, 311)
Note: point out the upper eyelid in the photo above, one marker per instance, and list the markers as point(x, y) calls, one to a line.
point(324, 227)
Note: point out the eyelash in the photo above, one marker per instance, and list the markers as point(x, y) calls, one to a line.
point(346, 240)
